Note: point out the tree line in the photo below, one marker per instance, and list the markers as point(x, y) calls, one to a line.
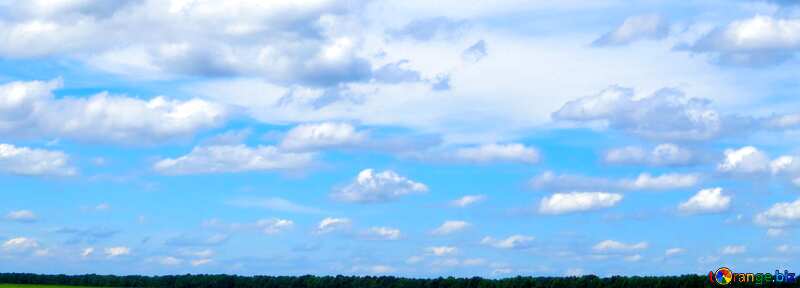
point(309, 281)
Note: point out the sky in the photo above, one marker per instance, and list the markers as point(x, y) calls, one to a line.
point(466, 138)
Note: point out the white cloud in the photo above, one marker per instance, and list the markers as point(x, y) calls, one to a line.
point(635, 28)
point(632, 258)
point(709, 200)
point(487, 153)
point(370, 187)
point(200, 262)
point(273, 226)
point(511, 242)
point(231, 159)
point(674, 251)
point(25, 216)
point(31, 109)
point(561, 203)
point(442, 250)
point(760, 40)
point(616, 246)
point(780, 214)
point(34, 162)
point(20, 244)
point(87, 252)
point(644, 181)
point(274, 203)
point(330, 224)
point(747, 159)
point(733, 249)
point(467, 200)
point(662, 182)
point(169, 261)
point(322, 135)
point(666, 154)
point(450, 227)
point(666, 114)
point(112, 252)
point(385, 233)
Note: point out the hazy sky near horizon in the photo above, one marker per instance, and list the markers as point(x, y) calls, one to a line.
point(465, 138)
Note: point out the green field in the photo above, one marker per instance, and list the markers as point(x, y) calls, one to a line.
point(37, 286)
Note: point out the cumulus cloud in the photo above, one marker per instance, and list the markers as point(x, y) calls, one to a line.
point(666, 114)
point(450, 227)
point(34, 162)
point(511, 242)
point(644, 181)
point(635, 28)
point(757, 41)
point(23, 216)
point(322, 135)
point(780, 214)
point(751, 160)
point(371, 187)
point(710, 200)
point(231, 159)
point(88, 251)
point(561, 203)
point(467, 200)
point(384, 233)
point(616, 246)
point(666, 154)
point(498, 153)
point(117, 251)
point(330, 224)
point(30, 109)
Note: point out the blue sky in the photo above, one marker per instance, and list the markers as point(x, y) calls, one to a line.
point(399, 138)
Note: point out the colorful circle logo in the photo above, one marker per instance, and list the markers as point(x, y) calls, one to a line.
point(723, 276)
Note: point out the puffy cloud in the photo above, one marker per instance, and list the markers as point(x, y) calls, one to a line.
point(733, 249)
point(232, 158)
point(467, 200)
point(780, 214)
point(635, 28)
point(511, 242)
point(330, 224)
point(20, 244)
point(561, 203)
point(644, 181)
point(449, 227)
point(30, 109)
point(757, 41)
point(747, 159)
point(709, 200)
point(661, 182)
point(24, 216)
point(322, 135)
point(385, 233)
point(498, 153)
point(117, 251)
point(666, 154)
point(616, 246)
point(442, 250)
point(371, 187)
point(34, 162)
point(666, 114)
